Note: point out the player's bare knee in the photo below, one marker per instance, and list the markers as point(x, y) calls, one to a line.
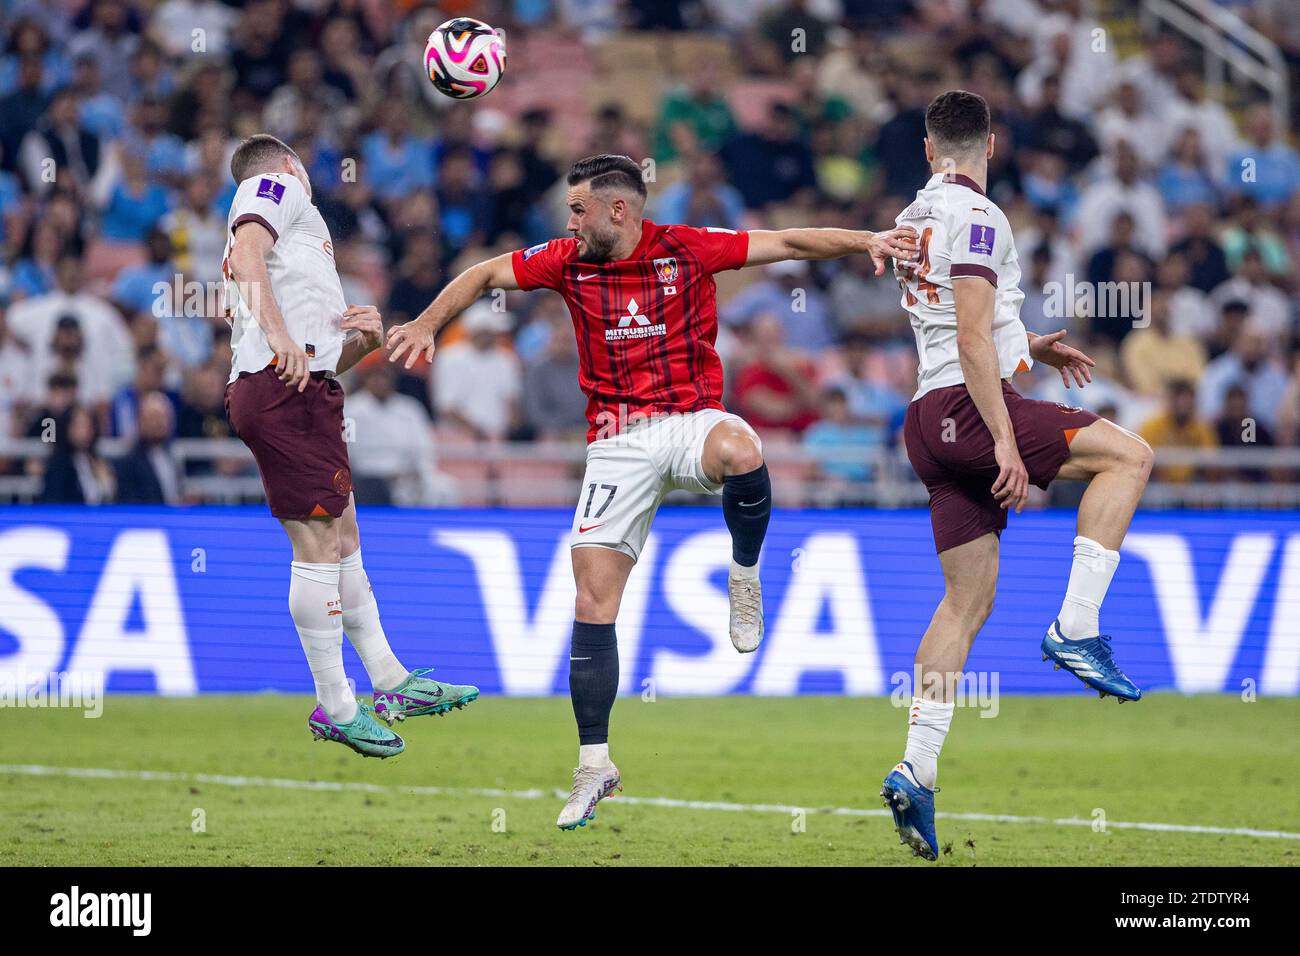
point(592, 607)
point(972, 604)
point(1143, 458)
point(1132, 456)
point(740, 453)
point(594, 604)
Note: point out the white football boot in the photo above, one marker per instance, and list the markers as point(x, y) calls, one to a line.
point(590, 786)
point(746, 597)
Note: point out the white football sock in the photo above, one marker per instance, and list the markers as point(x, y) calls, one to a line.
point(740, 571)
point(314, 604)
point(361, 622)
point(927, 726)
point(1090, 576)
point(593, 755)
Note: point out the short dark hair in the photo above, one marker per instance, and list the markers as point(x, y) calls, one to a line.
point(958, 120)
point(256, 154)
point(608, 171)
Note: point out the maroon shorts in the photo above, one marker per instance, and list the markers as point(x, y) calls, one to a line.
point(297, 439)
point(951, 450)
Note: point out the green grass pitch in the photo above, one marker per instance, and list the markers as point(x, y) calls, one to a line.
point(1210, 761)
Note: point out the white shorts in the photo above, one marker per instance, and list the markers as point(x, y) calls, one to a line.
point(629, 474)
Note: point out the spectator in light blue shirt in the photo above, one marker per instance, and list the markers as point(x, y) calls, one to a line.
point(1183, 179)
point(187, 337)
point(135, 287)
point(1267, 168)
point(135, 204)
point(1047, 185)
point(395, 162)
point(29, 39)
point(787, 292)
point(11, 199)
point(1250, 365)
point(872, 404)
point(702, 198)
point(163, 151)
point(33, 273)
point(841, 446)
point(101, 113)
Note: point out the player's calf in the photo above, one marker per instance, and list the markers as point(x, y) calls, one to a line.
point(1116, 464)
point(593, 685)
point(747, 509)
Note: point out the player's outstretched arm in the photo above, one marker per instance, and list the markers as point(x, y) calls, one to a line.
point(365, 333)
point(974, 298)
point(416, 337)
point(247, 261)
point(767, 246)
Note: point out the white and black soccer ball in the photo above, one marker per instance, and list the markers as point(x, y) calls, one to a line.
point(465, 58)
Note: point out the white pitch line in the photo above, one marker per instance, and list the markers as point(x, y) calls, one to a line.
point(224, 780)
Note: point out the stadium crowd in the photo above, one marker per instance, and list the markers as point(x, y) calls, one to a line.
point(1157, 222)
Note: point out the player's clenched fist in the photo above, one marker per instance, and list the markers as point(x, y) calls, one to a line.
point(897, 243)
point(410, 339)
point(290, 361)
point(366, 320)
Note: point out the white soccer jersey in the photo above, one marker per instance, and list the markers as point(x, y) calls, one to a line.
point(962, 233)
point(304, 280)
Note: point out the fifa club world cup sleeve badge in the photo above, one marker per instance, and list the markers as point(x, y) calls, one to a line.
point(981, 239)
point(270, 189)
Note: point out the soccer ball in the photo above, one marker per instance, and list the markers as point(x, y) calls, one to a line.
point(465, 58)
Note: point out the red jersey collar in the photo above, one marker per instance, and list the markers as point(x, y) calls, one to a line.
point(648, 230)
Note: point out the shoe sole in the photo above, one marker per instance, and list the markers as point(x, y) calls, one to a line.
point(439, 710)
point(317, 736)
point(898, 803)
point(1102, 693)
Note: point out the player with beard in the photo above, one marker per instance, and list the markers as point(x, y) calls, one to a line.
point(642, 299)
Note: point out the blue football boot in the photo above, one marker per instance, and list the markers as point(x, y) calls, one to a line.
point(913, 808)
point(1089, 660)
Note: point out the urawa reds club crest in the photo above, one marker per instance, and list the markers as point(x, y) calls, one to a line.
point(666, 270)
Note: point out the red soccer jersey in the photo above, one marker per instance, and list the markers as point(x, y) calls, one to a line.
point(646, 325)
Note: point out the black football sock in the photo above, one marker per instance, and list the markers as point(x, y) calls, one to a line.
point(593, 679)
point(747, 507)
